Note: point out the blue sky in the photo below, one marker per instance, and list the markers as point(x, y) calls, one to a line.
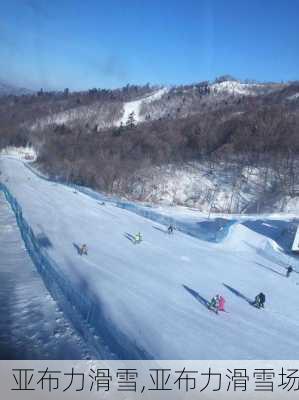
point(94, 43)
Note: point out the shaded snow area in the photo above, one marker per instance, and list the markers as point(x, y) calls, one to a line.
point(135, 106)
point(149, 300)
point(31, 324)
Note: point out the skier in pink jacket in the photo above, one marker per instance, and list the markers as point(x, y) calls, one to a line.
point(221, 303)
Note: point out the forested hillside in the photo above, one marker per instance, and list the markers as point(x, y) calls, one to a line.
point(122, 141)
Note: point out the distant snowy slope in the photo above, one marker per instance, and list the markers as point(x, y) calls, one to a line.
point(149, 299)
point(98, 115)
point(241, 88)
point(134, 106)
point(232, 87)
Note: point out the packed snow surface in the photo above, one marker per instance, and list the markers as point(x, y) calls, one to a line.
point(31, 325)
point(151, 297)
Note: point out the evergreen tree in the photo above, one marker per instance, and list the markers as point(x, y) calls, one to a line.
point(131, 122)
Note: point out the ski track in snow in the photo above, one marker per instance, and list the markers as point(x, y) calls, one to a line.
point(150, 299)
point(31, 324)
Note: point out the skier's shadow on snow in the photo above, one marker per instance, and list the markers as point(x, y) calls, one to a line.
point(239, 294)
point(197, 296)
point(271, 269)
point(43, 241)
point(77, 247)
point(130, 237)
point(160, 229)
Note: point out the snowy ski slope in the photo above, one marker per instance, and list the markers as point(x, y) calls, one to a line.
point(149, 300)
point(31, 324)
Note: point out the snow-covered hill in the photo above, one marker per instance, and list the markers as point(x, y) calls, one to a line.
point(135, 106)
point(243, 89)
point(220, 188)
point(234, 87)
point(149, 300)
point(6, 89)
point(97, 116)
point(163, 102)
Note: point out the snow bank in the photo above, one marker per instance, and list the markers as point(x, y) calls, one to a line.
point(241, 237)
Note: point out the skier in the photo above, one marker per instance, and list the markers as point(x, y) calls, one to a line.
point(170, 229)
point(214, 304)
point(289, 271)
point(83, 250)
point(259, 301)
point(138, 238)
point(221, 303)
point(262, 299)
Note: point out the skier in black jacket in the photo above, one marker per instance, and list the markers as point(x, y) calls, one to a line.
point(260, 300)
point(170, 229)
point(289, 271)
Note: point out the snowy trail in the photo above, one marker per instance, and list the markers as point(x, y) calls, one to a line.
point(31, 325)
point(148, 300)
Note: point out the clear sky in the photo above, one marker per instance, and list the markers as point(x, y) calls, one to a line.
point(109, 43)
